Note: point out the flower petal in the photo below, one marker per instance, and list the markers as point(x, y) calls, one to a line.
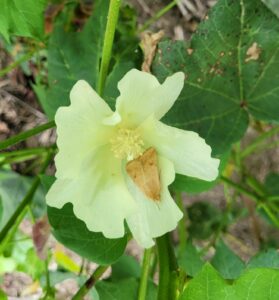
point(80, 128)
point(98, 193)
point(142, 95)
point(189, 152)
point(154, 218)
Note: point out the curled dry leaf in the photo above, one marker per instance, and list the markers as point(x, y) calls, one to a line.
point(40, 235)
point(149, 42)
point(253, 53)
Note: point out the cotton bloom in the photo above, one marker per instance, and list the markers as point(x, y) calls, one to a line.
point(117, 166)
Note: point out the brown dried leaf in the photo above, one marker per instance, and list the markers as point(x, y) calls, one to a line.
point(51, 12)
point(145, 174)
point(149, 42)
point(40, 235)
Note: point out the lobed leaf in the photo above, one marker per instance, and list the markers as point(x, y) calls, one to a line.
point(231, 68)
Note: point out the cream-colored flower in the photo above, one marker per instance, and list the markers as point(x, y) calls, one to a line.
point(96, 144)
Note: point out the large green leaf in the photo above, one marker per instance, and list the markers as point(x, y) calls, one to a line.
point(224, 83)
point(273, 5)
point(257, 284)
point(73, 233)
point(23, 18)
point(254, 284)
point(73, 56)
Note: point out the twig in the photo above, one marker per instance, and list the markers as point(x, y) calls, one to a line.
point(89, 283)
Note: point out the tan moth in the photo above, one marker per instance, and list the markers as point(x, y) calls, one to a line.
point(145, 173)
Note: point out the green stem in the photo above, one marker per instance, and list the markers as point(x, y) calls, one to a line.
point(24, 152)
point(145, 274)
point(13, 230)
point(22, 155)
point(108, 42)
point(25, 135)
point(272, 198)
point(158, 15)
point(13, 65)
point(85, 288)
point(272, 217)
point(167, 269)
point(257, 142)
point(26, 200)
point(182, 233)
point(241, 189)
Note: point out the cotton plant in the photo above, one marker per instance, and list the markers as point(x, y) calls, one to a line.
point(116, 167)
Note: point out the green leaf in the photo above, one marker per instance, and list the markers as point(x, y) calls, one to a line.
point(1, 209)
point(268, 259)
point(125, 289)
point(254, 284)
point(225, 85)
point(189, 260)
point(226, 262)
point(271, 184)
point(207, 285)
point(273, 5)
point(3, 296)
point(257, 284)
point(13, 188)
point(125, 267)
point(73, 56)
point(73, 233)
point(22, 18)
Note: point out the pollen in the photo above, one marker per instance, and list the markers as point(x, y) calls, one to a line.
point(127, 144)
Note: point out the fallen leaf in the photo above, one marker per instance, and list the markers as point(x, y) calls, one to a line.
point(145, 174)
point(40, 234)
point(149, 42)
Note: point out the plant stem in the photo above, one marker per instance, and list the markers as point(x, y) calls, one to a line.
point(24, 152)
point(181, 224)
point(270, 214)
point(13, 230)
point(240, 188)
point(158, 15)
point(26, 200)
point(108, 42)
point(145, 273)
point(85, 288)
point(13, 65)
point(167, 268)
point(256, 143)
point(25, 135)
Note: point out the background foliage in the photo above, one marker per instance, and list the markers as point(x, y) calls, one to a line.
point(231, 68)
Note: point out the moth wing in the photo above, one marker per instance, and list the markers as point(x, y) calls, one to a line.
point(145, 173)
